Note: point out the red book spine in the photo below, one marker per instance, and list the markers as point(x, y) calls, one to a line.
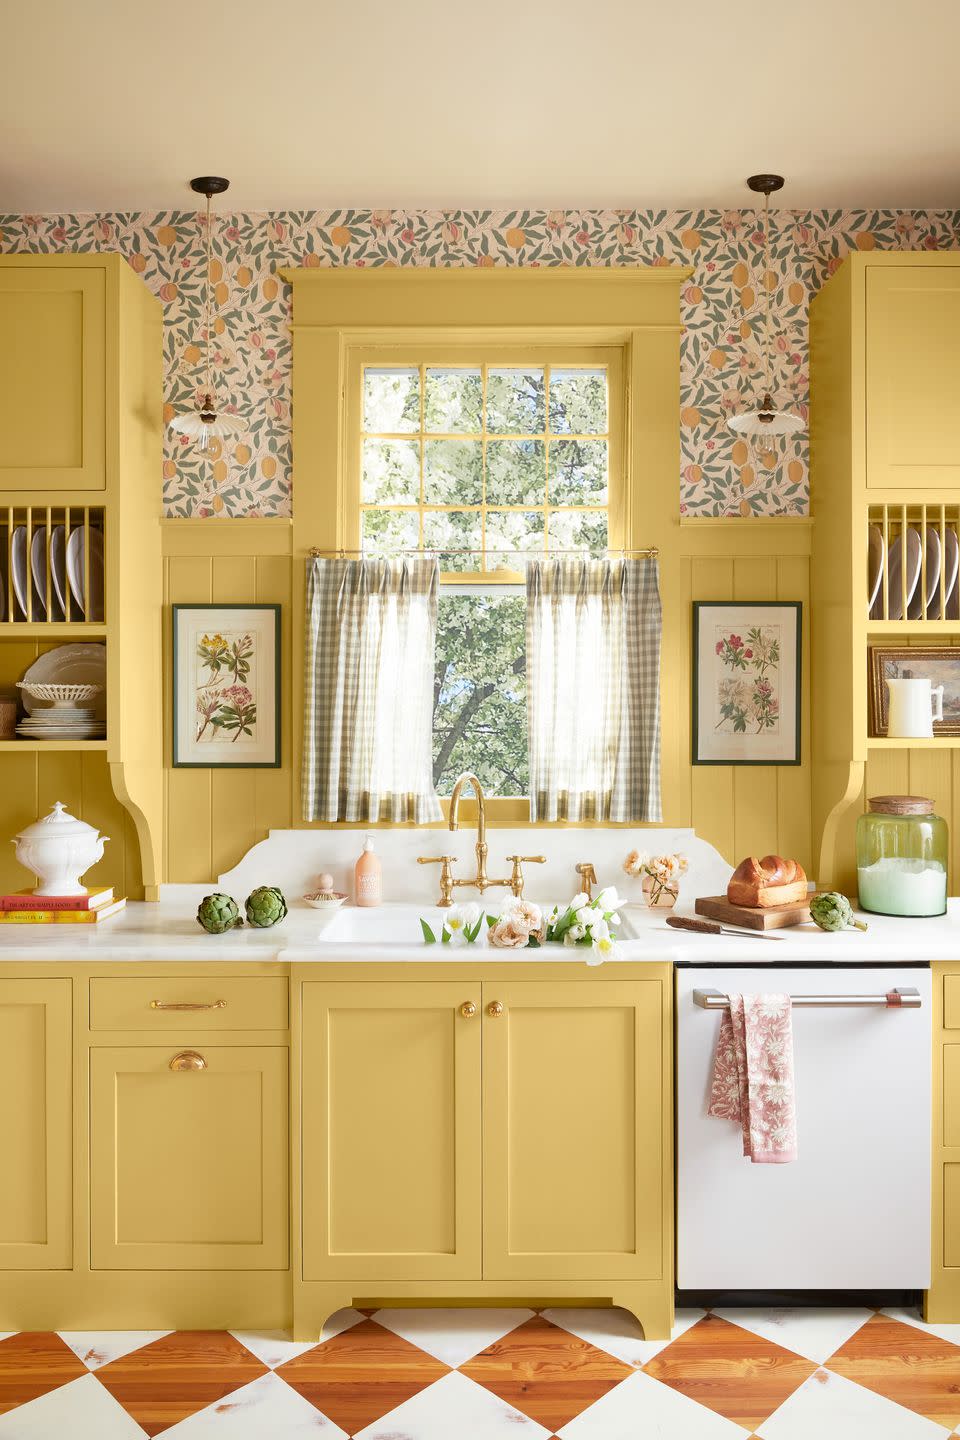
point(47, 902)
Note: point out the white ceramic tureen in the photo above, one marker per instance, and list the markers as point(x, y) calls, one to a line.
point(58, 849)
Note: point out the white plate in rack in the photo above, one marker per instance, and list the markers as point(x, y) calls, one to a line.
point(894, 583)
point(875, 555)
point(18, 561)
point(75, 570)
point(950, 563)
point(918, 605)
point(77, 664)
point(58, 565)
point(38, 565)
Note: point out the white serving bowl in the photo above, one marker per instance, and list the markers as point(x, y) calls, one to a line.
point(61, 697)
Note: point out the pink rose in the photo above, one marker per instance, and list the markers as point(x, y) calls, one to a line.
point(508, 934)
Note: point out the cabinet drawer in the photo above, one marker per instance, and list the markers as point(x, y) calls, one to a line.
point(176, 1002)
point(951, 1002)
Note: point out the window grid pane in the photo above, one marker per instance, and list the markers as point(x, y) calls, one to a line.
point(586, 455)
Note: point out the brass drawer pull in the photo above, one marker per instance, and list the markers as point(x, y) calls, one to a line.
point(494, 1009)
point(188, 1060)
point(188, 1004)
point(468, 1009)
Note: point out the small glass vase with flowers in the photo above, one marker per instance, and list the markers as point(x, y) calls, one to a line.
point(659, 875)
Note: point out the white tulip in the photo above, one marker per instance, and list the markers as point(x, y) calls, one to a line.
point(608, 899)
point(586, 916)
point(578, 901)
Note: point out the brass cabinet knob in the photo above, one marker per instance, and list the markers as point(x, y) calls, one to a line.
point(188, 1060)
point(468, 1009)
point(494, 1009)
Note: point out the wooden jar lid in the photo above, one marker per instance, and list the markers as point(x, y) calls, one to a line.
point(900, 805)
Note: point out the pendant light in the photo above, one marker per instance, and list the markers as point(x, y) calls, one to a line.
point(208, 423)
point(766, 424)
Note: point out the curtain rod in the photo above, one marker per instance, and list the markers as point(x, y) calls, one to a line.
point(651, 551)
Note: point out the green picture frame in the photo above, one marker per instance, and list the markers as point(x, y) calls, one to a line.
point(226, 667)
point(747, 697)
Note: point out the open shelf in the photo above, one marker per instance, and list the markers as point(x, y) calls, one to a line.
point(55, 630)
point(6, 746)
point(887, 742)
point(913, 627)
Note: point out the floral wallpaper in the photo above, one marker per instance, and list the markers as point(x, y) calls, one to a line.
point(722, 313)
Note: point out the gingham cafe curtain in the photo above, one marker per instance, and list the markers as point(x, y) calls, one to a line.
point(593, 689)
point(368, 692)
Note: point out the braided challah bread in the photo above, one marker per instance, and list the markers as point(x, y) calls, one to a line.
point(770, 881)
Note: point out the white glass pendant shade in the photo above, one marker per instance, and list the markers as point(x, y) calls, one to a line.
point(766, 421)
point(206, 424)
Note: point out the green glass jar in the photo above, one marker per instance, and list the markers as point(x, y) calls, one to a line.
point(902, 857)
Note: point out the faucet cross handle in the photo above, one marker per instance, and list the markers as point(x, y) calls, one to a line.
point(446, 876)
point(516, 877)
point(588, 877)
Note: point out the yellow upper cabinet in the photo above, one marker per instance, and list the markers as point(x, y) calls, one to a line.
point(912, 363)
point(52, 376)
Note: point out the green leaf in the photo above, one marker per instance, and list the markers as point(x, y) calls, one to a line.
point(533, 942)
point(428, 935)
point(491, 921)
point(445, 935)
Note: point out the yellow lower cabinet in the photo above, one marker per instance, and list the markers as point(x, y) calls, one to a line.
point(391, 1130)
point(189, 1157)
point(572, 1130)
point(36, 1123)
point(943, 1297)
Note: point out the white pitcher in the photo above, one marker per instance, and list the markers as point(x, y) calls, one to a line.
point(914, 705)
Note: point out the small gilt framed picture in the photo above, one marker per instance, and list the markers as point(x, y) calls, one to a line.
point(747, 682)
point(226, 686)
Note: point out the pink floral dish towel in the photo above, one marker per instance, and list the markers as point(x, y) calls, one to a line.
point(753, 1076)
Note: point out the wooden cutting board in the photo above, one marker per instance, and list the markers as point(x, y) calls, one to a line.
point(773, 917)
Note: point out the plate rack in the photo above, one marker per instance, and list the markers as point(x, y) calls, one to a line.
point(913, 552)
point(52, 565)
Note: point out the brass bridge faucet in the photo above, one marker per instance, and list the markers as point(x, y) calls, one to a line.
point(481, 880)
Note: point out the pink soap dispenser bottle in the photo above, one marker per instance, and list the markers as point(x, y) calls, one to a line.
point(368, 888)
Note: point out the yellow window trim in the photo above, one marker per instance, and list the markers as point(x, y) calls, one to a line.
point(340, 312)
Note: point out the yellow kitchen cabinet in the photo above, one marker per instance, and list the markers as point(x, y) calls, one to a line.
point(483, 1133)
point(189, 1157)
point(912, 355)
point(52, 377)
point(391, 1130)
point(942, 1301)
point(571, 1129)
point(36, 1121)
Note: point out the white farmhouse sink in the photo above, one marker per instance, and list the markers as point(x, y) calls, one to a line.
point(399, 924)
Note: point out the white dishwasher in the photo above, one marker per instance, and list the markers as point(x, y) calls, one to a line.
point(852, 1212)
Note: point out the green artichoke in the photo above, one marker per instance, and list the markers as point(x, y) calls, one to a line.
point(265, 906)
point(218, 913)
point(833, 911)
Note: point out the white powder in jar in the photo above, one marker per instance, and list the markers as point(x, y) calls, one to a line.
point(893, 886)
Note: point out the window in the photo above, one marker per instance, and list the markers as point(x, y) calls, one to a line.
point(486, 460)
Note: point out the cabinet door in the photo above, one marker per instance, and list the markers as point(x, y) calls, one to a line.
point(189, 1166)
point(36, 1122)
point(572, 1130)
point(52, 381)
point(391, 1131)
point(913, 358)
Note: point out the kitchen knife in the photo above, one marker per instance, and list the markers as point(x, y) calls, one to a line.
point(710, 927)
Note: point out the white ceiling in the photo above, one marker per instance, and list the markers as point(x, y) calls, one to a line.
point(303, 104)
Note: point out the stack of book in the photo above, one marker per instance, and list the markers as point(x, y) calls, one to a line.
point(25, 908)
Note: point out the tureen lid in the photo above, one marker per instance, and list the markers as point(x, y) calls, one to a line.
point(58, 825)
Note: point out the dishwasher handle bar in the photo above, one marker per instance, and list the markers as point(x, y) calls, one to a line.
point(902, 998)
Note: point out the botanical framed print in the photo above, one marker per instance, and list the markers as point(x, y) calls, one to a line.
point(746, 682)
point(940, 664)
point(226, 686)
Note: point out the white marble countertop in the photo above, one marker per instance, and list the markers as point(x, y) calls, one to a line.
point(169, 932)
